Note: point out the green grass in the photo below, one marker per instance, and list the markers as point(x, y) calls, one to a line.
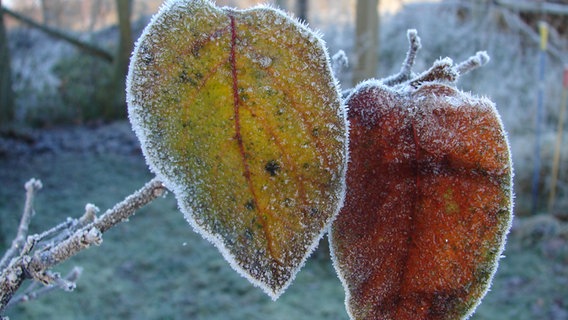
point(156, 267)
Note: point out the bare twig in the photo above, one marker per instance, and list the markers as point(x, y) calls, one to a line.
point(33, 291)
point(442, 70)
point(479, 59)
point(17, 246)
point(121, 211)
point(37, 266)
point(406, 71)
point(65, 229)
point(41, 261)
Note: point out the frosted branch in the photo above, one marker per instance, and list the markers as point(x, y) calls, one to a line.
point(33, 292)
point(123, 210)
point(65, 229)
point(441, 71)
point(32, 186)
point(36, 266)
point(479, 59)
point(406, 71)
point(43, 260)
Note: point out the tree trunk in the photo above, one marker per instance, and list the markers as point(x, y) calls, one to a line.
point(116, 106)
point(366, 40)
point(6, 92)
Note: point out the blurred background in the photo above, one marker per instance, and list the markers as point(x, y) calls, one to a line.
point(63, 120)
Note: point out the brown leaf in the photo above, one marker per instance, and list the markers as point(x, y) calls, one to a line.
point(428, 203)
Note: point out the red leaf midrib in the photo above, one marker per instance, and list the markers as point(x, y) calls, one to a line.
point(239, 139)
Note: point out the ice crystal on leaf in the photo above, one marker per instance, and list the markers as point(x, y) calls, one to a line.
point(239, 115)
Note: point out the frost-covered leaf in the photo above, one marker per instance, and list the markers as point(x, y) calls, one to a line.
point(428, 203)
point(238, 113)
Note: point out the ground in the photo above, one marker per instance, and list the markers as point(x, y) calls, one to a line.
point(156, 267)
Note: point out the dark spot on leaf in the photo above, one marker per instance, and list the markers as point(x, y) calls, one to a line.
point(256, 223)
point(314, 212)
point(196, 48)
point(315, 132)
point(249, 205)
point(243, 96)
point(186, 78)
point(272, 167)
point(249, 234)
point(271, 91)
point(146, 57)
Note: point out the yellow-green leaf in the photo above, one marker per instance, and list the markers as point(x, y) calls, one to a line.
point(238, 113)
